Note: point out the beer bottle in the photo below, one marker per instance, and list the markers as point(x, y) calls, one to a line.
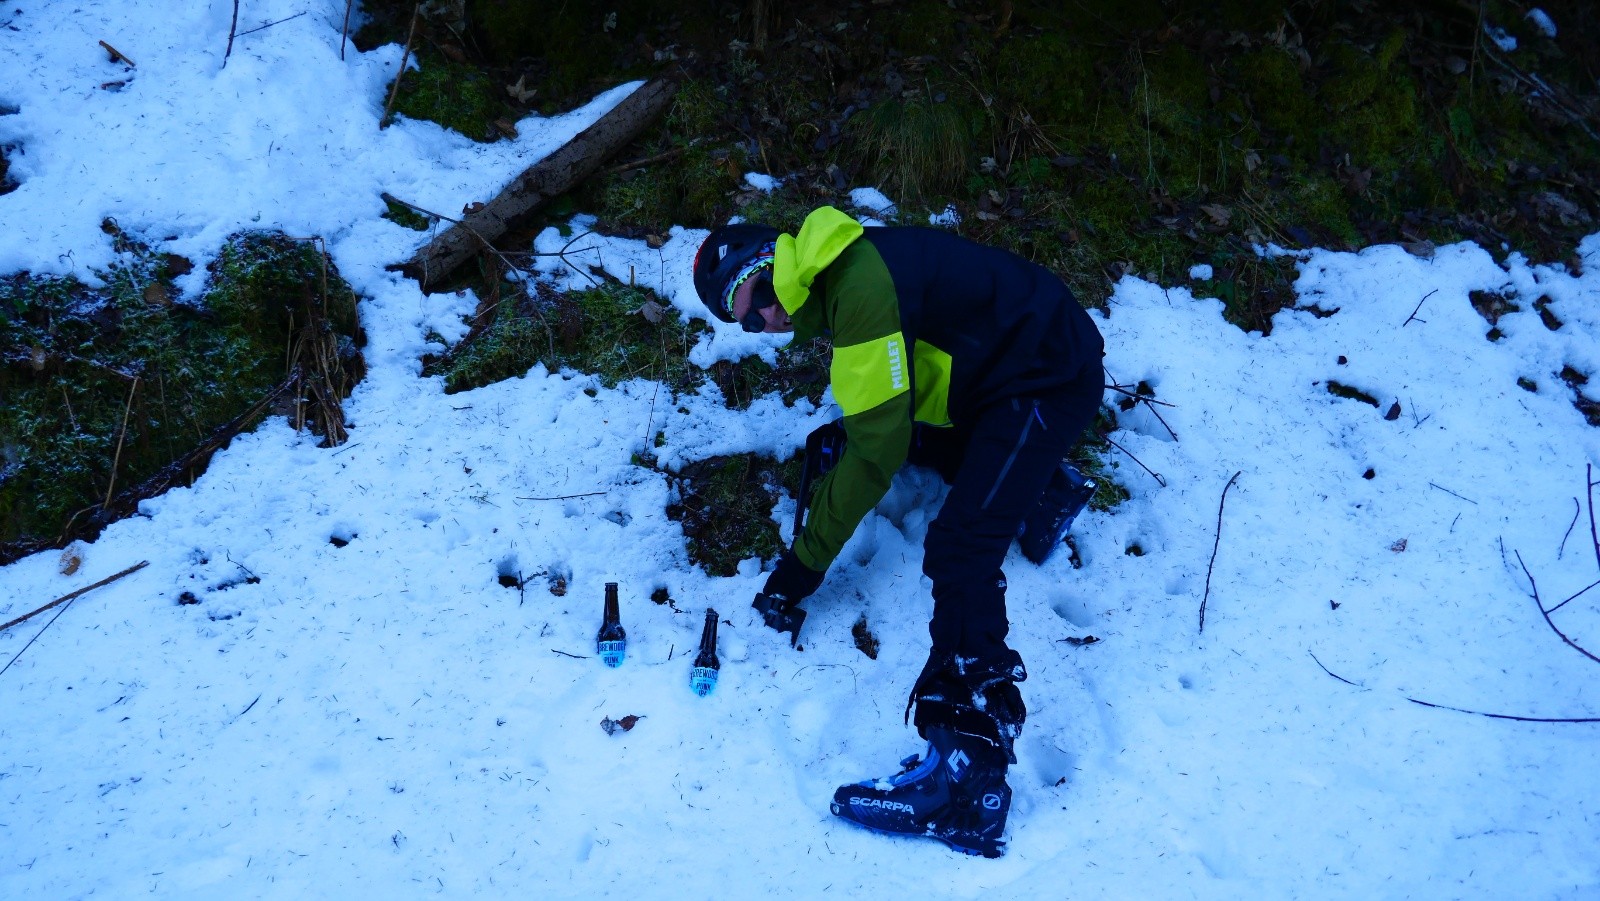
point(703, 677)
point(612, 642)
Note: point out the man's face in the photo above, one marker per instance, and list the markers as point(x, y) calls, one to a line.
point(777, 318)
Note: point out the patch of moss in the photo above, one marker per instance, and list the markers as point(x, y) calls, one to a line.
point(456, 95)
point(725, 507)
point(607, 330)
point(107, 385)
point(400, 214)
point(802, 371)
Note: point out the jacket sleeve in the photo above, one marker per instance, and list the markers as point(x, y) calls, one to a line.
point(870, 380)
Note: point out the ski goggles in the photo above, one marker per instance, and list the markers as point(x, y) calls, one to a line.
point(763, 296)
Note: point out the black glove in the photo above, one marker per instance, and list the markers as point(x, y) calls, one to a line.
point(792, 580)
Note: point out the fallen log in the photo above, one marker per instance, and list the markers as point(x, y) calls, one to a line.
point(549, 178)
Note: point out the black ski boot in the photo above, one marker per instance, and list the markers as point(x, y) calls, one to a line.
point(956, 793)
point(1046, 527)
point(970, 712)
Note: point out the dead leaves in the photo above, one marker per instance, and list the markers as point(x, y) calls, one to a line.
point(626, 724)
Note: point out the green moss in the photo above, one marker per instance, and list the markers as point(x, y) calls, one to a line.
point(109, 384)
point(603, 330)
point(725, 507)
point(1270, 78)
point(458, 96)
point(400, 214)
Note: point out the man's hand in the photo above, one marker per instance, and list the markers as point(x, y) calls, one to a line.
point(792, 580)
point(779, 602)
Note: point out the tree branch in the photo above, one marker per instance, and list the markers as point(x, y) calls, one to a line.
point(1214, 546)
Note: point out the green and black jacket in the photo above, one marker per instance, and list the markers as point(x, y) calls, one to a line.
point(926, 327)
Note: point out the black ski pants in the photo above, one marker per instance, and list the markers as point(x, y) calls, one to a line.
point(998, 464)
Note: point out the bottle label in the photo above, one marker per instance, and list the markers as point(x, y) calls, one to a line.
point(612, 653)
point(702, 679)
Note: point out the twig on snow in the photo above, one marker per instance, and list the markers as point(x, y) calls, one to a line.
point(565, 654)
point(270, 24)
point(232, 27)
point(1160, 479)
point(1452, 493)
point(65, 602)
point(1575, 596)
point(1495, 716)
point(1214, 546)
point(1577, 508)
point(1588, 477)
point(1419, 308)
point(1534, 587)
point(1507, 716)
point(344, 31)
point(244, 711)
point(118, 55)
point(80, 592)
point(1334, 674)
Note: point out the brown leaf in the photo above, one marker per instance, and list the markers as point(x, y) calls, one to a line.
point(1399, 546)
point(1394, 412)
point(1218, 213)
point(506, 127)
point(155, 294)
point(653, 312)
point(72, 558)
point(612, 727)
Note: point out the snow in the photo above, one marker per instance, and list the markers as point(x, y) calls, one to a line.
point(1506, 42)
point(1200, 272)
point(384, 718)
point(762, 182)
point(1541, 20)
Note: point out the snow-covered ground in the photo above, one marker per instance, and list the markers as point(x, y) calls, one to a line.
point(378, 716)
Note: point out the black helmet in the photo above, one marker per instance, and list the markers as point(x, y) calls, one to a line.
point(725, 253)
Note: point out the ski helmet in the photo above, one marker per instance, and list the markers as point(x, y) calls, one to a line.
point(728, 256)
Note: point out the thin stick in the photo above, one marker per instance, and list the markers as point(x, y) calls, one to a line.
point(1507, 716)
point(1214, 546)
point(82, 591)
point(232, 27)
point(1452, 493)
point(1332, 673)
point(116, 461)
point(270, 24)
point(1588, 476)
point(1546, 614)
point(1160, 479)
point(565, 654)
point(1574, 597)
point(1496, 716)
point(640, 164)
point(117, 55)
point(1419, 308)
point(564, 497)
point(344, 32)
point(1577, 509)
point(405, 57)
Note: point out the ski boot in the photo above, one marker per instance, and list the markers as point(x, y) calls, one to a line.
point(970, 712)
point(1046, 527)
point(956, 792)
